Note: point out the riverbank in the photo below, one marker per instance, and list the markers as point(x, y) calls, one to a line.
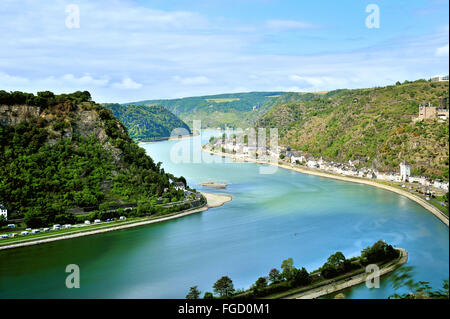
point(349, 280)
point(168, 138)
point(212, 201)
point(429, 207)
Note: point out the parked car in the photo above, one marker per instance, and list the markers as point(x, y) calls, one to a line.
point(12, 235)
point(67, 226)
point(24, 233)
point(46, 229)
point(4, 236)
point(35, 231)
point(56, 227)
point(87, 222)
point(123, 218)
point(11, 225)
point(97, 221)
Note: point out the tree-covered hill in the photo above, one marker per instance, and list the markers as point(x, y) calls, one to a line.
point(146, 123)
point(64, 151)
point(372, 125)
point(232, 110)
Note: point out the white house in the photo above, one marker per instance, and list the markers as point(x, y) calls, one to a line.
point(312, 164)
point(3, 211)
point(405, 170)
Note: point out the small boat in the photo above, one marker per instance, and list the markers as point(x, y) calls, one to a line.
point(215, 185)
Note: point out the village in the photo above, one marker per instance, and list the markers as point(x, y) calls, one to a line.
point(285, 155)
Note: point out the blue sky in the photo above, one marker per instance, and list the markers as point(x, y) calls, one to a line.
point(128, 50)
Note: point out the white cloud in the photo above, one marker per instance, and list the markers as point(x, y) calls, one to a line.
point(127, 84)
point(10, 82)
point(196, 80)
point(442, 51)
point(286, 25)
point(85, 80)
point(65, 83)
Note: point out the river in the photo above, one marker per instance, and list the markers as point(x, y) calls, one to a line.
point(272, 217)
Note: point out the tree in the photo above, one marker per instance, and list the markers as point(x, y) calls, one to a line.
point(300, 277)
point(275, 276)
point(378, 252)
point(224, 287)
point(337, 261)
point(193, 293)
point(259, 286)
point(3, 221)
point(33, 219)
point(183, 180)
point(208, 295)
point(288, 267)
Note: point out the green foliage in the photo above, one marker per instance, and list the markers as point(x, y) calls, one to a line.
point(224, 287)
point(42, 180)
point(259, 287)
point(288, 268)
point(380, 251)
point(3, 221)
point(402, 278)
point(208, 295)
point(193, 293)
point(146, 123)
point(275, 276)
point(44, 99)
point(373, 126)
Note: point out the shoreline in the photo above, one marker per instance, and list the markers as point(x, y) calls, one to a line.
point(346, 282)
point(212, 201)
point(430, 208)
point(168, 138)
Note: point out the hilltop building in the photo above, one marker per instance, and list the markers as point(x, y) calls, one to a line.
point(3, 211)
point(405, 171)
point(439, 78)
point(429, 112)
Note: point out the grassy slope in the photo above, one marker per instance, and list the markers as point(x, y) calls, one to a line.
point(372, 125)
point(148, 122)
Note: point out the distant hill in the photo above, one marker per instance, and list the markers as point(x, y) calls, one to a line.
point(59, 152)
point(146, 123)
point(372, 125)
point(232, 110)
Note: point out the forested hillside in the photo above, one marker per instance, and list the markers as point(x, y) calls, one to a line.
point(232, 110)
point(65, 151)
point(372, 125)
point(146, 123)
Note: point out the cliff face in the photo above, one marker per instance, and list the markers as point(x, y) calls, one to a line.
point(83, 120)
point(14, 114)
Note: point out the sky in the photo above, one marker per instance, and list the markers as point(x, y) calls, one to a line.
point(129, 50)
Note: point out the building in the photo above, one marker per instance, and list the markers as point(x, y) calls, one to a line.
point(3, 211)
point(439, 78)
point(405, 171)
point(179, 185)
point(428, 111)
